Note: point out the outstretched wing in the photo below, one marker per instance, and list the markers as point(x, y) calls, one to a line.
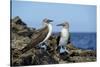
point(36, 39)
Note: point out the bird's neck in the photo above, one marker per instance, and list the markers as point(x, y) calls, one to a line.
point(49, 32)
point(50, 27)
point(64, 32)
point(64, 29)
point(44, 24)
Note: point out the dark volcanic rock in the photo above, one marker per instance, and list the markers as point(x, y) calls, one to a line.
point(43, 57)
point(21, 36)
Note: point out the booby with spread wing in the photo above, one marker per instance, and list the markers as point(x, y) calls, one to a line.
point(40, 36)
point(63, 38)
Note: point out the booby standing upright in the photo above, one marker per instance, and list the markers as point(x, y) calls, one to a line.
point(46, 22)
point(40, 36)
point(64, 37)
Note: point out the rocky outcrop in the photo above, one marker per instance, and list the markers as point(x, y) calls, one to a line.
point(21, 36)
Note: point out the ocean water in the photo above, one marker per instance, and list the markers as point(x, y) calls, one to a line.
point(83, 40)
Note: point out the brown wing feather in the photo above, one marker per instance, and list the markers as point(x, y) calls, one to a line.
point(36, 39)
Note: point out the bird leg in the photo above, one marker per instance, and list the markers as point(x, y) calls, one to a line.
point(42, 45)
point(66, 50)
point(63, 49)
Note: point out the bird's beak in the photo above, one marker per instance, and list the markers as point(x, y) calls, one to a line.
point(50, 20)
point(59, 25)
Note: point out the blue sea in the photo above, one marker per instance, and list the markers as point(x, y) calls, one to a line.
point(83, 40)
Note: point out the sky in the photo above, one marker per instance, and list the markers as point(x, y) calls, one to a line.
point(81, 18)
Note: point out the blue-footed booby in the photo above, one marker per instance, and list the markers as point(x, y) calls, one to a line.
point(40, 36)
point(64, 38)
point(46, 22)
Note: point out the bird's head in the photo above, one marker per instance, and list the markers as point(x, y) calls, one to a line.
point(65, 24)
point(47, 21)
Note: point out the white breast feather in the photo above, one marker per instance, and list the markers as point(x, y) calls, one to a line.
point(64, 37)
point(49, 33)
